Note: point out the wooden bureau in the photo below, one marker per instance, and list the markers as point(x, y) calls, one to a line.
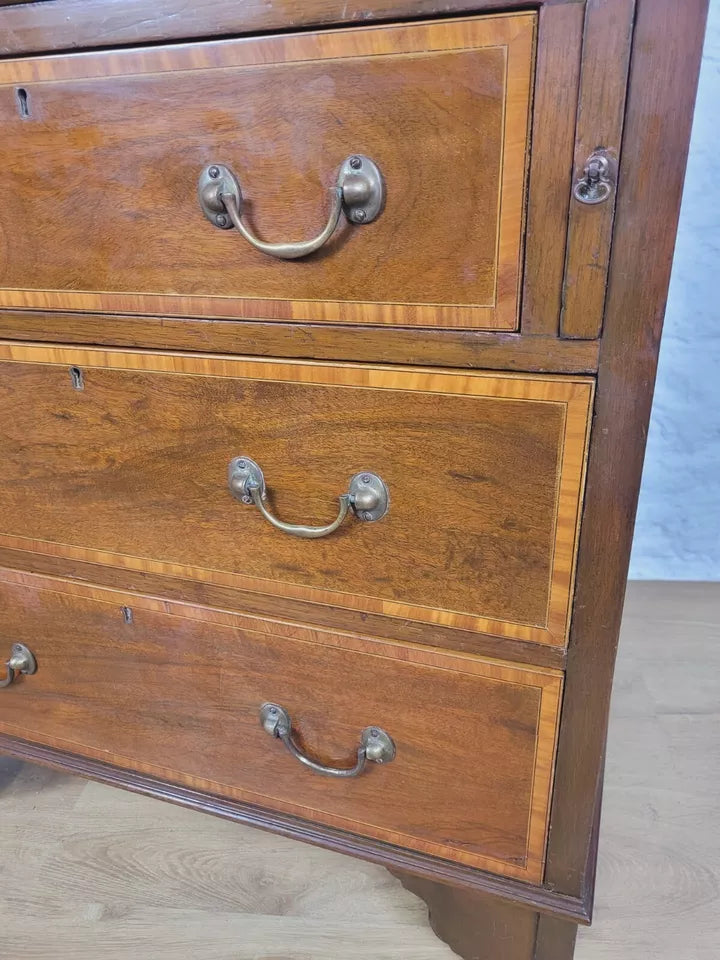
point(327, 340)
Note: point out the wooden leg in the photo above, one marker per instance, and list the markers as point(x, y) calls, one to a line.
point(477, 927)
point(555, 939)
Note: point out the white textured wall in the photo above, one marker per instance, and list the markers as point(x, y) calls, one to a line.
point(678, 528)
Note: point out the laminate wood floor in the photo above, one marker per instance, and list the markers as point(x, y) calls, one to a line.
point(88, 872)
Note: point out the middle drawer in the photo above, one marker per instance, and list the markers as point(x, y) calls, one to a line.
point(122, 458)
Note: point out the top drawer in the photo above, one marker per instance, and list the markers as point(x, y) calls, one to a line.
point(102, 153)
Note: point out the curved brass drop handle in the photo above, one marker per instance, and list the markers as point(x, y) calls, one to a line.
point(285, 251)
point(21, 661)
point(375, 744)
point(367, 498)
point(300, 529)
point(359, 193)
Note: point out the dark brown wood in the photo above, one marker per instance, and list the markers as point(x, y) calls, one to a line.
point(474, 926)
point(665, 65)
point(106, 194)
point(554, 113)
point(555, 939)
point(477, 927)
point(132, 471)
point(250, 602)
point(606, 57)
point(443, 348)
point(71, 24)
point(175, 691)
point(502, 889)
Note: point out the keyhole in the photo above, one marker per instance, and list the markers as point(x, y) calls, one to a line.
point(23, 102)
point(76, 376)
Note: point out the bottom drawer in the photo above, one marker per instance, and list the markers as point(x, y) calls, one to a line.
point(176, 691)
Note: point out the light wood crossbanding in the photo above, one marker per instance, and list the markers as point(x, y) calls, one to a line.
point(485, 475)
point(176, 693)
point(103, 232)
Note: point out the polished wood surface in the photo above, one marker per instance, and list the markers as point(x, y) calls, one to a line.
point(554, 113)
point(68, 24)
point(103, 215)
point(84, 864)
point(484, 472)
point(176, 693)
point(502, 888)
point(129, 497)
point(317, 614)
point(607, 40)
point(475, 928)
point(663, 82)
point(472, 349)
point(480, 928)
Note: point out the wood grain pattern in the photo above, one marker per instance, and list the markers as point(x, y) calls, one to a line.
point(607, 40)
point(480, 537)
point(471, 349)
point(476, 928)
point(664, 64)
point(69, 24)
point(102, 214)
point(480, 928)
point(554, 112)
point(658, 871)
point(84, 863)
point(505, 889)
point(663, 80)
point(555, 939)
point(176, 693)
point(101, 866)
point(338, 618)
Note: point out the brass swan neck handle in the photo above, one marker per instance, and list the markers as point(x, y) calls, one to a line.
point(359, 193)
point(375, 745)
point(367, 498)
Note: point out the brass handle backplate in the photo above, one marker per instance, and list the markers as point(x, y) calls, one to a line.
point(359, 193)
point(21, 661)
point(367, 498)
point(375, 744)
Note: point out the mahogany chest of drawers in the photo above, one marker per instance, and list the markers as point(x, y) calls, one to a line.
point(327, 341)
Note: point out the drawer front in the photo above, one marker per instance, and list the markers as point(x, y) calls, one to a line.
point(177, 693)
point(101, 155)
point(484, 475)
